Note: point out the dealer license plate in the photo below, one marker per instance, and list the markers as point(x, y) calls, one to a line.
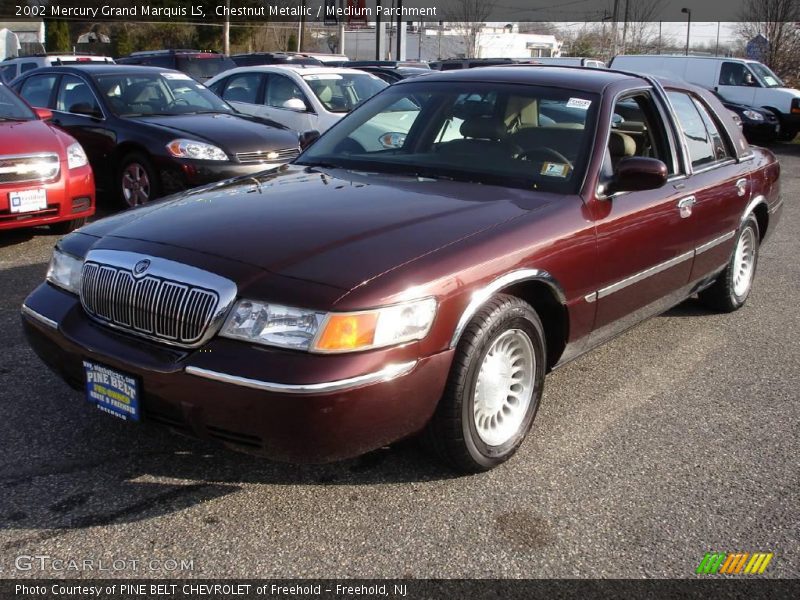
point(113, 392)
point(27, 201)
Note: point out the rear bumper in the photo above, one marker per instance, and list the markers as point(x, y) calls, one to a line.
point(202, 394)
point(71, 197)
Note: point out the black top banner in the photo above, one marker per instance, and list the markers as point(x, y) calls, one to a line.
point(332, 11)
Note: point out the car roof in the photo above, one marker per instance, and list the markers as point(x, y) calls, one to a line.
point(100, 69)
point(289, 68)
point(585, 79)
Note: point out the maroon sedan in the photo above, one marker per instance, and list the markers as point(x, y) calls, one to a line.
point(510, 219)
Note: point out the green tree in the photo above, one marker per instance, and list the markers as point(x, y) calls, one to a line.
point(57, 36)
point(123, 44)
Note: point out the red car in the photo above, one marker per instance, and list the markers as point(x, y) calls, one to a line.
point(45, 177)
point(521, 217)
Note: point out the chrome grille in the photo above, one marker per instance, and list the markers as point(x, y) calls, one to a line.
point(268, 156)
point(150, 306)
point(29, 167)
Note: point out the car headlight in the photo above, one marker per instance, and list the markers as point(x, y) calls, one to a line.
point(181, 148)
point(299, 329)
point(753, 115)
point(65, 271)
point(76, 157)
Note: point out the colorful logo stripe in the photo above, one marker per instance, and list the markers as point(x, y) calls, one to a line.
point(734, 563)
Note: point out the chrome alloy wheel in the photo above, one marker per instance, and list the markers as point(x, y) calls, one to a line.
point(504, 387)
point(135, 184)
point(744, 262)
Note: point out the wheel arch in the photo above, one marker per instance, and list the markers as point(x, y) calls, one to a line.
point(760, 210)
point(125, 148)
point(539, 289)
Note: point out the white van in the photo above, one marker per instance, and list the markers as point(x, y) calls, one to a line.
point(738, 80)
point(570, 61)
point(11, 68)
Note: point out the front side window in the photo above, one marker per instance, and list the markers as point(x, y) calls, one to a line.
point(75, 96)
point(703, 137)
point(734, 73)
point(468, 131)
point(37, 89)
point(341, 92)
point(28, 66)
point(282, 92)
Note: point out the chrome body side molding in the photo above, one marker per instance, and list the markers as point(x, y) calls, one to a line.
point(388, 373)
point(29, 312)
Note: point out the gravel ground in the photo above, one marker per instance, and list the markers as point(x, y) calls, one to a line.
point(678, 438)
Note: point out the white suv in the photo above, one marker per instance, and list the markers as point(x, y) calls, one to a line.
point(12, 68)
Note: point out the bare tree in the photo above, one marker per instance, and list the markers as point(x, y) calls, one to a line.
point(642, 25)
point(776, 20)
point(469, 17)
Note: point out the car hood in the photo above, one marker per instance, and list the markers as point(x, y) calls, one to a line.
point(29, 137)
point(231, 132)
point(335, 227)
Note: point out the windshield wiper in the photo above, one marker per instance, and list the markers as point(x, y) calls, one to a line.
point(321, 164)
point(12, 119)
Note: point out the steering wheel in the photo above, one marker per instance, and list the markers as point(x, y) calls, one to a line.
point(178, 102)
point(544, 152)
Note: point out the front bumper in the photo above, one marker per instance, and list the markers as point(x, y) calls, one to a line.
point(71, 196)
point(761, 130)
point(177, 175)
point(213, 392)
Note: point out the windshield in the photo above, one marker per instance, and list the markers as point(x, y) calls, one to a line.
point(166, 93)
point(12, 108)
point(767, 77)
point(341, 92)
point(204, 66)
point(510, 135)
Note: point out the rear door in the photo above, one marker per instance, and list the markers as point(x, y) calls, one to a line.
point(719, 186)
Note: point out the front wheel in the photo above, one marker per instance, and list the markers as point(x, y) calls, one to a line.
point(494, 387)
point(732, 287)
point(138, 183)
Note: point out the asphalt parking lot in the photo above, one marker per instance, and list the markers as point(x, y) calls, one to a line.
point(678, 438)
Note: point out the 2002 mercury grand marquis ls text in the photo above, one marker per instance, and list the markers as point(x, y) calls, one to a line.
point(326, 308)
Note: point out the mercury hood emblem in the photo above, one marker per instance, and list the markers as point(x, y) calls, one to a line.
point(141, 267)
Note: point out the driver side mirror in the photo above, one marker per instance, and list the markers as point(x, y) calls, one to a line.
point(45, 114)
point(308, 137)
point(637, 173)
point(295, 104)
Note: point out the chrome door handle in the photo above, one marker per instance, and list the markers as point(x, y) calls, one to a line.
point(741, 186)
point(685, 206)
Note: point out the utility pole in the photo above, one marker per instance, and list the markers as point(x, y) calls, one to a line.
point(716, 52)
point(340, 27)
point(301, 26)
point(625, 28)
point(614, 19)
point(659, 37)
point(226, 29)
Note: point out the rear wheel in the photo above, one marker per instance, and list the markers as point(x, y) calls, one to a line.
point(65, 227)
point(730, 290)
point(137, 181)
point(494, 387)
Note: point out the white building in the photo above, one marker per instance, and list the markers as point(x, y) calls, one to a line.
point(431, 42)
point(30, 35)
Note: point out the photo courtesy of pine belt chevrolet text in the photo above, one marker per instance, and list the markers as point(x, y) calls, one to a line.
point(415, 271)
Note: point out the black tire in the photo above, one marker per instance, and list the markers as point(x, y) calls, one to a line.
point(65, 227)
point(452, 432)
point(722, 294)
point(138, 162)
